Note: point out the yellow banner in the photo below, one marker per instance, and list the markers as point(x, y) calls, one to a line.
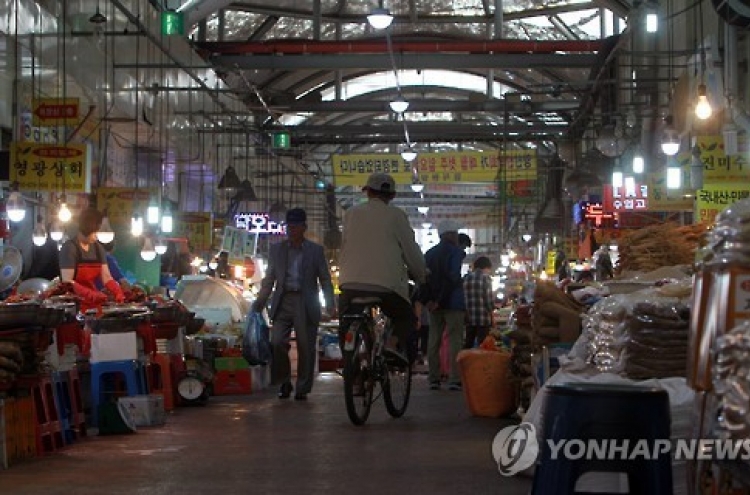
point(713, 199)
point(661, 198)
point(50, 167)
point(119, 202)
point(196, 228)
point(438, 168)
point(717, 166)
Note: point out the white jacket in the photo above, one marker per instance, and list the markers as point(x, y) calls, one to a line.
point(378, 248)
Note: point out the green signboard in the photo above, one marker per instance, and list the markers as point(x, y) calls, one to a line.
point(172, 23)
point(282, 140)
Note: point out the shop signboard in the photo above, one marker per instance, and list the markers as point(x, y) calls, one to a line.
point(661, 198)
point(717, 166)
point(550, 266)
point(714, 198)
point(617, 199)
point(119, 203)
point(196, 228)
point(55, 112)
point(258, 223)
point(50, 167)
point(438, 168)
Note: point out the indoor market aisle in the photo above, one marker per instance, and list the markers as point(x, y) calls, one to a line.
point(260, 444)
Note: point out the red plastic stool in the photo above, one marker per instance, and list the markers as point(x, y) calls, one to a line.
point(69, 333)
point(162, 379)
point(77, 415)
point(49, 434)
point(147, 333)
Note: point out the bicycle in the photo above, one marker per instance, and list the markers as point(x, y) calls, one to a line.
point(365, 364)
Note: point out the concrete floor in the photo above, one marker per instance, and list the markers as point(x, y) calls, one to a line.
point(260, 444)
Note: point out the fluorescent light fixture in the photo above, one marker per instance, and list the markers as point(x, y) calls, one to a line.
point(639, 164)
point(380, 18)
point(617, 178)
point(652, 22)
point(136, 225)
point(167, 222)
point(674, 177)
point(152, 212)
point(629, 187)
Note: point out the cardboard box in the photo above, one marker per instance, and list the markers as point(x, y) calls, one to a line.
point(238, 382)
point(114, 346)
point(145, 410)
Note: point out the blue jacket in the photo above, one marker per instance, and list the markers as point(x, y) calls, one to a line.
point(445, 282)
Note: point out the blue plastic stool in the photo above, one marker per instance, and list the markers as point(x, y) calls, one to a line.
point(62, 402)
point(130, 370)
point(602, 412)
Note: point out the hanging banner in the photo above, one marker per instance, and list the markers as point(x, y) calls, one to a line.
point(50, 167)
point(717, 166)
point(713, 199)
point(661, 198)
point(119, 203)
point(437, 168)
point(196, 228)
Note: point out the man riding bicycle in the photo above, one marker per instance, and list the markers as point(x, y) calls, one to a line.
point(378, 254)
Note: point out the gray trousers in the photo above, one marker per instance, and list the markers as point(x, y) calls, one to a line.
point(292, 314)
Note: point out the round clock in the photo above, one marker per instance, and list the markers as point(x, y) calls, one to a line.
point(191, 388)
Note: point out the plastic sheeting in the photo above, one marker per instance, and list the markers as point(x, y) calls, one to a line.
point(198, 292)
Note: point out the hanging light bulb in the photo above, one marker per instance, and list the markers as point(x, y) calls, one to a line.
point(423, 209)
point(380, 18)
point(417, 186)
point(105, 235)
point(526, 237)
point(64, 214)
point(639, 163)
point(399, 105)
point(670, 140)
point(409, 155)
point(55, 231)
point(213, 264)
point(39, 235)
point(152, 212)
point(148, 253)
point(16, 207)
point(161, 246)
point(167, 223)
point(652, 17)
point(136, 225)
point(703, 108)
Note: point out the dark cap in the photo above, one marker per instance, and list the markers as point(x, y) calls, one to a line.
point(296, 216)
point(381, 182)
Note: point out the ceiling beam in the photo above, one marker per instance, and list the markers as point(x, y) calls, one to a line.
point(378, 61)
point(432, 105)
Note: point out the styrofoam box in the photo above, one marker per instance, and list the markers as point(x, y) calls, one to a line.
point(145, 410)
point(114, 346)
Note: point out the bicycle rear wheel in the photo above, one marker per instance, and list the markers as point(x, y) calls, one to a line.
point(359, 381)
point(397, 387)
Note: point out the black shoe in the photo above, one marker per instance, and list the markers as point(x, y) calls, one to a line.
point(300, 396)
point(285, 391)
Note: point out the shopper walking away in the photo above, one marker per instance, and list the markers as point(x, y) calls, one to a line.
point(378, 255)
point(444, 297)
point(295, 268)
point(480, 304)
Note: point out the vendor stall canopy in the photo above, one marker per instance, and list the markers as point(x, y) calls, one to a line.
point(274, 88)
point(209, 296)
